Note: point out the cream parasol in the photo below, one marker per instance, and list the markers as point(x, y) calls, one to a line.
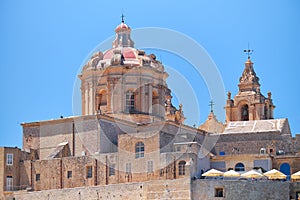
point(296, 175)
point(213, 172)
point(231, 173)
point(275, 174)
point(252, 174)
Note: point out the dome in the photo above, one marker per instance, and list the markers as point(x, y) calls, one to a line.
point(127, 52)
point(123, 53)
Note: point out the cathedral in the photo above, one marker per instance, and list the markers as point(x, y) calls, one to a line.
point(131, 142)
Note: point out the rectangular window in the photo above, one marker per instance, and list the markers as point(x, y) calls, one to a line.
point(139, 150)
point(37, 177)
point(128, 168)
point(150, 166)
point(129, 102)
point(112, 170)
point(9, 159)
point(9, 183)
point(219, 192)
point(69, 175)
point(181, 168)
point(89, 172)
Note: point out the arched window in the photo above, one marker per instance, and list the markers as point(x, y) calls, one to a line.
point(245, 113)
point(240, 167)
point(139, 150)
point(285, 168)
point(181, 168)
point(129, 108)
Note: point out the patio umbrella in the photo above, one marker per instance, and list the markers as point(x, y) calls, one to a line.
point(252, 174)
point(275, 174)
point(231, 173)
point(213, 172)
point(296, 175)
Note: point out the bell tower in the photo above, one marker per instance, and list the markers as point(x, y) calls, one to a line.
point(249, 103)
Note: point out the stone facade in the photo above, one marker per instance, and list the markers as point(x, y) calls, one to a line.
point(249, 103)
point(11, 159)
point(171, 189)
point(250, 161)
point(124, 80)
point(236, 190)
point(131, 143)
point(155, 189)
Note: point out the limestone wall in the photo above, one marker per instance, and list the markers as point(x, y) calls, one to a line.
point(203, 189)
point(247, 159)
point(293, 161)
point(159, 189)
point(85, 135)
point(31, 136)
point(251, 143)
point(56, 133)
point(296, 141)
point(294, 190)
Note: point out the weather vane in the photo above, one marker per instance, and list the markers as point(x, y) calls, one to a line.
point(211, 104)
point(248, 51)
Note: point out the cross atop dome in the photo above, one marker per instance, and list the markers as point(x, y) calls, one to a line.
point(211, 104)
point(122, 16)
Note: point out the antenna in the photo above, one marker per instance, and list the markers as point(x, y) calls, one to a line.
point(248, 51)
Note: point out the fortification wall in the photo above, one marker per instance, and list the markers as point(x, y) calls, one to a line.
point(236, 190)
point(158, 189)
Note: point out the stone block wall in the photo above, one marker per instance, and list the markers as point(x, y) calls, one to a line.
point(139, 166)
point(251, 143)
point(236, 190)
point(293, 161)
point(294, 190)
point(31, 136)
point(157, 189)
point(85, 135)
point(247, 159)
point(53, 174)
point(296, 141)
point(58, 132)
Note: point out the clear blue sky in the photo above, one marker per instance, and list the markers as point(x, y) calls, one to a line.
point(43, 44)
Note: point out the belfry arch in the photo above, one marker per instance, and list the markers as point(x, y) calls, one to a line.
point(244, 112)
point(249, 103)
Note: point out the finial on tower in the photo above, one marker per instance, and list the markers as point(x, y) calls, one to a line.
point(248, 51)
point(122, 17)
point(211, 104)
